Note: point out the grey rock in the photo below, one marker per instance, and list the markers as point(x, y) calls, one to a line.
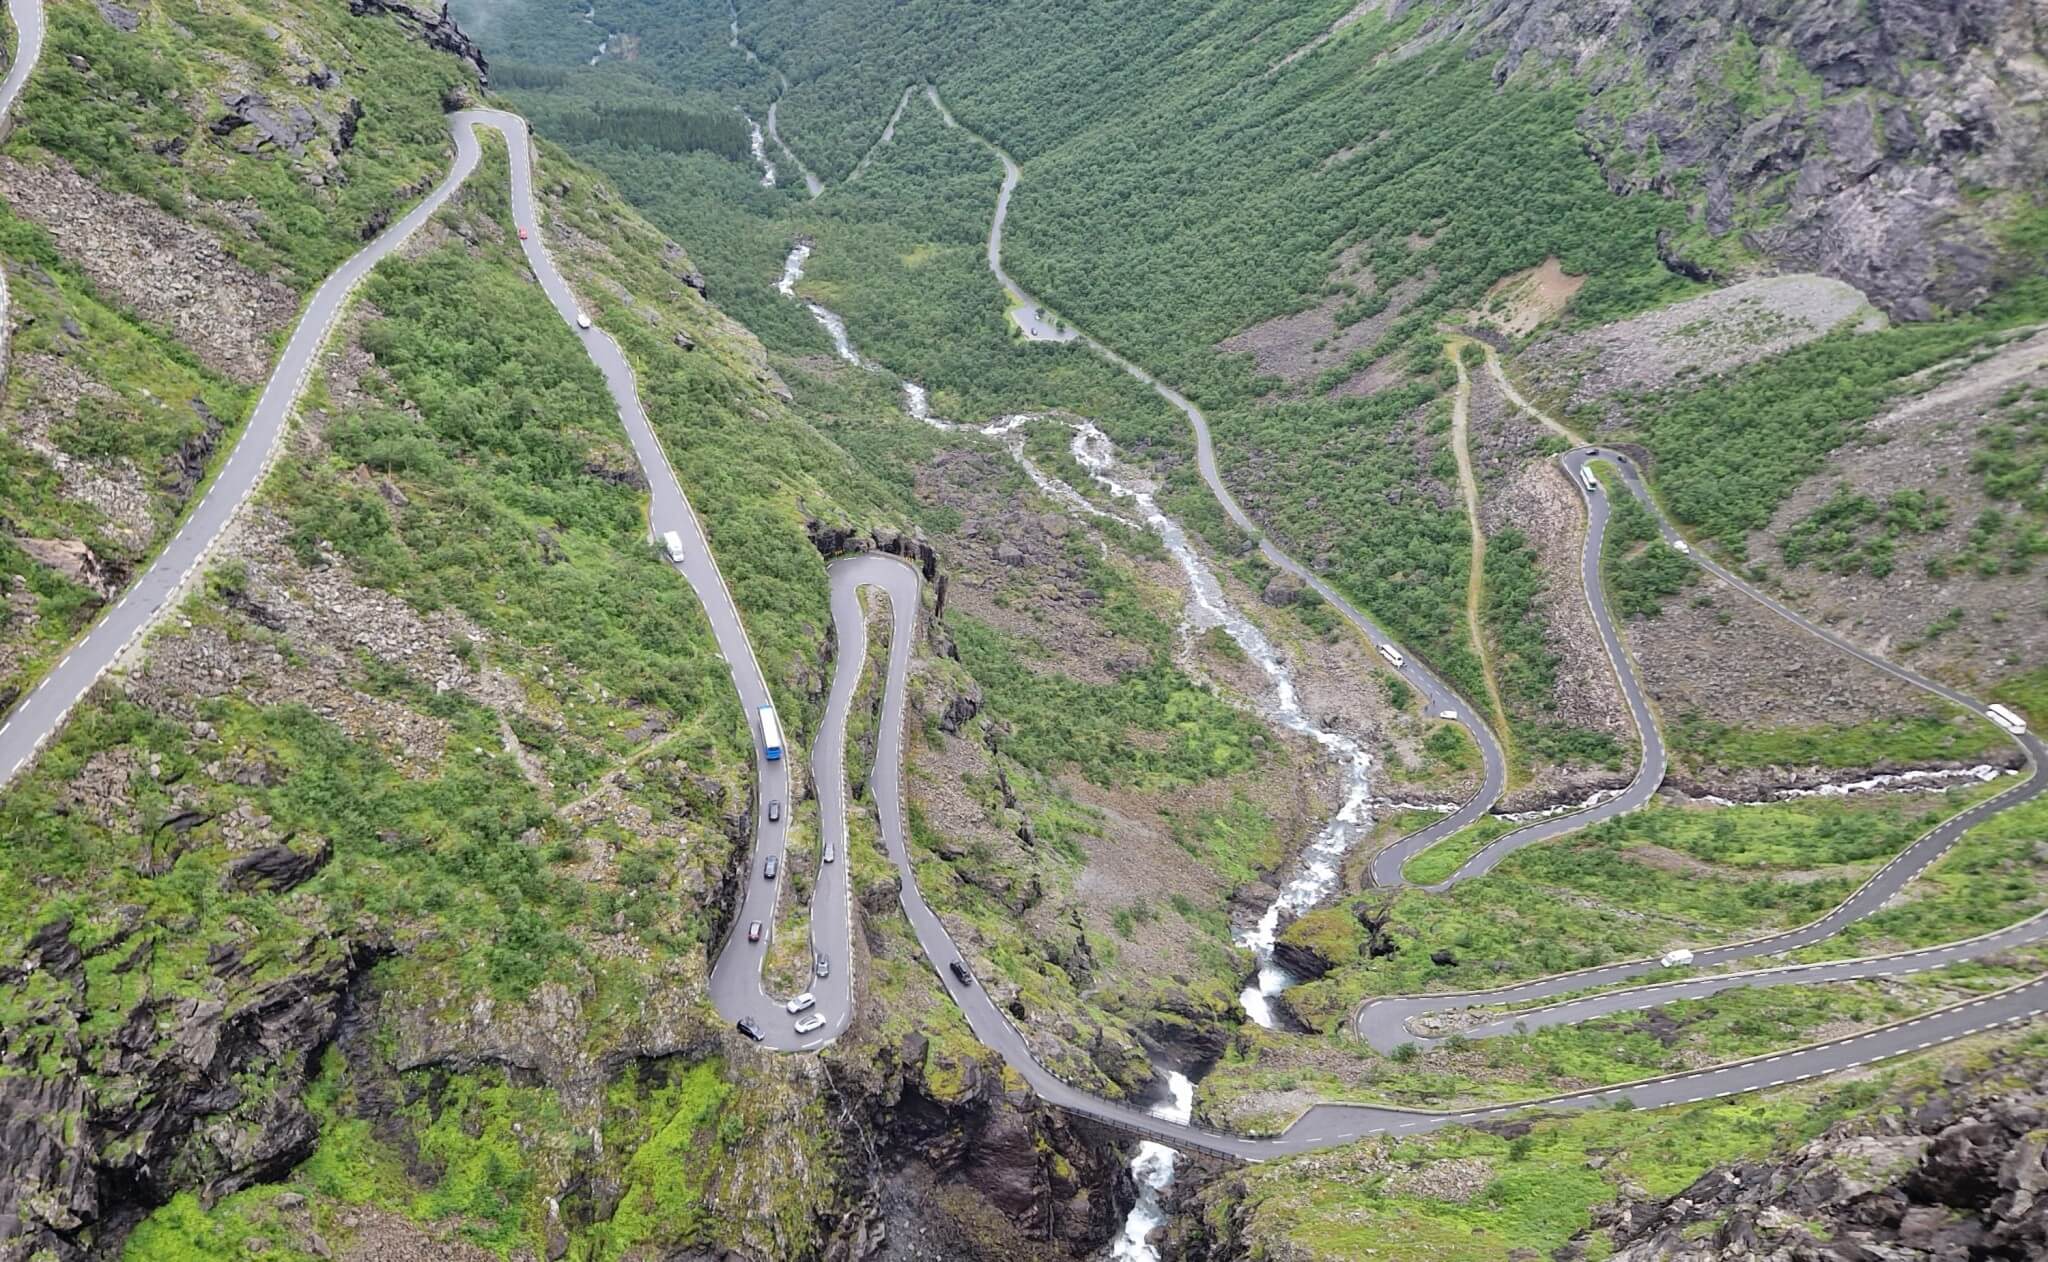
point(121, 19)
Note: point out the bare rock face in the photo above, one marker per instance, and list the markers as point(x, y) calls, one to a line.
point(288, 128)
point(1843, 141)
point(159, 1103)
point(434, 27)
point(1037, 1177)
point(70, 558)
point(1958, 1174)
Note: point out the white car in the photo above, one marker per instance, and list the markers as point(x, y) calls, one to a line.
point(801, 1002)
point(1676, 958)
point(831, 852)
point(582, 321)
point(805, 1025)
point(1681, 545)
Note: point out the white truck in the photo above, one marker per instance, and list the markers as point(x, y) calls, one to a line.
point(672, 543)
point(1393, 656)
point(2007, 718)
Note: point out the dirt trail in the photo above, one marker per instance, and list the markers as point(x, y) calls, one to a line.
point(1500, 378)
point(1475, 581)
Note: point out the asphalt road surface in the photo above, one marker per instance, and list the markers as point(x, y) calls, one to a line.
point(1385, 1022)
point(1650, 765)
point(42, 712)
point(736, 985)
point(1327, 1124)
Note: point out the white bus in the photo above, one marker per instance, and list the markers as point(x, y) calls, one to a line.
point(1586, 476)
point(1393, 655)
point(673, 542)
point(771, 734)
point(2008, 719)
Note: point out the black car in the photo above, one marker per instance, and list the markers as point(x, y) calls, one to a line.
point(824, 966)
point(960, 971)
point(769, 866)
point(747, 1027)
point(774, 809)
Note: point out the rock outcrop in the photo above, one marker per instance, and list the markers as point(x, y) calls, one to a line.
point(164, 1101)
point(1887, 145)
point(1047, 1179)
point(1956, 1173)
point(433, 26)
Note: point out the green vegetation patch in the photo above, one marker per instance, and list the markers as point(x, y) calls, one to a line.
point(1625, 888)
point(136, 102)
point(1730, 449)
point(1538, 1190)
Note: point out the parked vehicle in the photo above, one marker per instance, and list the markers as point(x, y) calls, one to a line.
point(1676, 958)
point(2007, 718)
point(771, 734)
point(1393, 656)
point(753, 931)
point(582, 321)
point(769, 867)
point(748, 1027)
point(774, 809)
point(672, 543)
point(824, 966)
point(802, 1002)
point(1591, 483)
point(804, 1025)
point(960, 971)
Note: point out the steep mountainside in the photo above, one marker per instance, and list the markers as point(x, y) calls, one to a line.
point(366, 910)
point(368, 907)
point(1900, 147)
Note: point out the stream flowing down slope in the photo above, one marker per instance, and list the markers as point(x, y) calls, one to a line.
point(736, 984)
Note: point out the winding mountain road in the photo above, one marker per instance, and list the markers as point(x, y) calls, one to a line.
point(735, 982)
point(39, 715)
point(1326, 1125)
point(736, 986)
point(1385, 1022)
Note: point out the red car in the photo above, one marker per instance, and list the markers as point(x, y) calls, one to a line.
point(522, 234)
point(753, 931)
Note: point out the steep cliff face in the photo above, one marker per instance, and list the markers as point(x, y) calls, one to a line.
point(978, 1170)
point(1898, 146)
point(1956, 1173)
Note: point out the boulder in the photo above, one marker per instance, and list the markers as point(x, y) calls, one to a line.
point(1282, 589)
point(70, 558)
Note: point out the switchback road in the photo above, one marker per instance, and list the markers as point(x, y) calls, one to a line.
point(736, 986)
